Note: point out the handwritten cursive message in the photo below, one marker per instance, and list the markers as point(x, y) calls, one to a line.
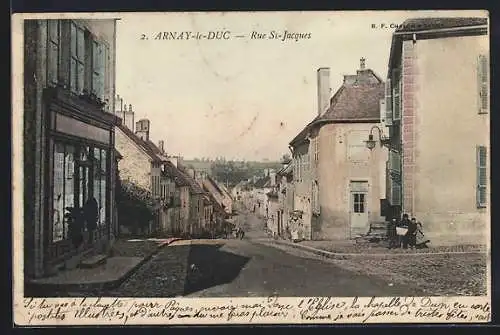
point(54, 311)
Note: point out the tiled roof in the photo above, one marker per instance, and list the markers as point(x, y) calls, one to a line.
point(357, 100)
point(418, 24)
point(154, 148)
point(176, 175)
point(217, 206)
point(214, 184)
point(194, 187)
point(141, 143)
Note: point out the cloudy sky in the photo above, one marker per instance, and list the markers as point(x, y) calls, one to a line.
point(242, 98)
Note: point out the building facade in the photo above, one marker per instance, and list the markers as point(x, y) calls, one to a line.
point(337, 181)
point(439, 137)
point(144, 165)
point(285, 199)
point(69, 83)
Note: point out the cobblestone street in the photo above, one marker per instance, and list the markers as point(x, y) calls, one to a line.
point(247, 268)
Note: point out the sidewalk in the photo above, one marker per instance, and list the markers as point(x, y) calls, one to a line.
point(437, 271)
point(125, 258)
point(342, 249)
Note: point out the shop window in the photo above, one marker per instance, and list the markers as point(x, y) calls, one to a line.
point(79, 173)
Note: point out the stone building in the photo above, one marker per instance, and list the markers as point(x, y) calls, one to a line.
point(142, 165)
point(438, 122)
point(338, 182)
point(69, 156)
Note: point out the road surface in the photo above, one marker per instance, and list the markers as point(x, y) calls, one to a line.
point(254, 266)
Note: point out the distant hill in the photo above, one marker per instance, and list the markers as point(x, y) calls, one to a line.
point(231, 172)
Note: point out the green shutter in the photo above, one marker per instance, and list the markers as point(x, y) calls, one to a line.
point(397, 96)
point(483, 74)
point(388, 103)
point(394, 161)
point(481, 163)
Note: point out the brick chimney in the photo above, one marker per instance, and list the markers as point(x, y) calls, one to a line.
point(323, 76)
point(364, 75)
point(142, 129)
point(161, 145)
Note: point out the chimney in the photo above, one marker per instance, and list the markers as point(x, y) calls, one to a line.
point(161, 145)
point(128, 117)
point(364, 75)
point(119, 105)
point(142, 129)
point(323, 89)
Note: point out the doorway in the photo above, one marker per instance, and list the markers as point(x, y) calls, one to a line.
point(359, 224)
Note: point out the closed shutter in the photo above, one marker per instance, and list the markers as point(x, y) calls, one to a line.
point(394, 161)
point(483, 74)
point(481, 176)
point(397, 96)
point(395, 193)
point(388, 103)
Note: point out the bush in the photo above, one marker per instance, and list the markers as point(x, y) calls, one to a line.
point(136, 206)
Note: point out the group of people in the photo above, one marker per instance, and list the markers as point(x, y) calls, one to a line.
point(405, 234)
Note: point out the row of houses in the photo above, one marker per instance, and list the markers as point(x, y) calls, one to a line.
point(189, 202)
point(416, 142)
point(81, 145)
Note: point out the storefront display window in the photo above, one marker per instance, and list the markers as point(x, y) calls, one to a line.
point(80, 173)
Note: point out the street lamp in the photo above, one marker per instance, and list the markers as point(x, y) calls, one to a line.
point(370, 143)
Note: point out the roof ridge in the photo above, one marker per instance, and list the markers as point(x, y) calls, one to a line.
point(139, 141)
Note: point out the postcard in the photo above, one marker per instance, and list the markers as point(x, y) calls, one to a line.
point(202, 168)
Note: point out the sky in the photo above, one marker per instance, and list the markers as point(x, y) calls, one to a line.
point(242, 98)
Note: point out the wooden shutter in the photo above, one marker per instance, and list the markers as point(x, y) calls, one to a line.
point(388, 103)
point(395, 193)
point(483, 74)
point(481, 161)
point(394, 161)
point(397, 96)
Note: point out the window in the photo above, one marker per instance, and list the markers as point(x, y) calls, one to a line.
point(483, 74)
point(359, 202)
point(305, 162)
point(99, 167)
point(77, 58)
point(357, 151)
point(481, 165)
point(63, 191)
point(79, 173)
point(53, 51)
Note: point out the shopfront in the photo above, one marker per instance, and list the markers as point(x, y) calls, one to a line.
point(81, 176)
